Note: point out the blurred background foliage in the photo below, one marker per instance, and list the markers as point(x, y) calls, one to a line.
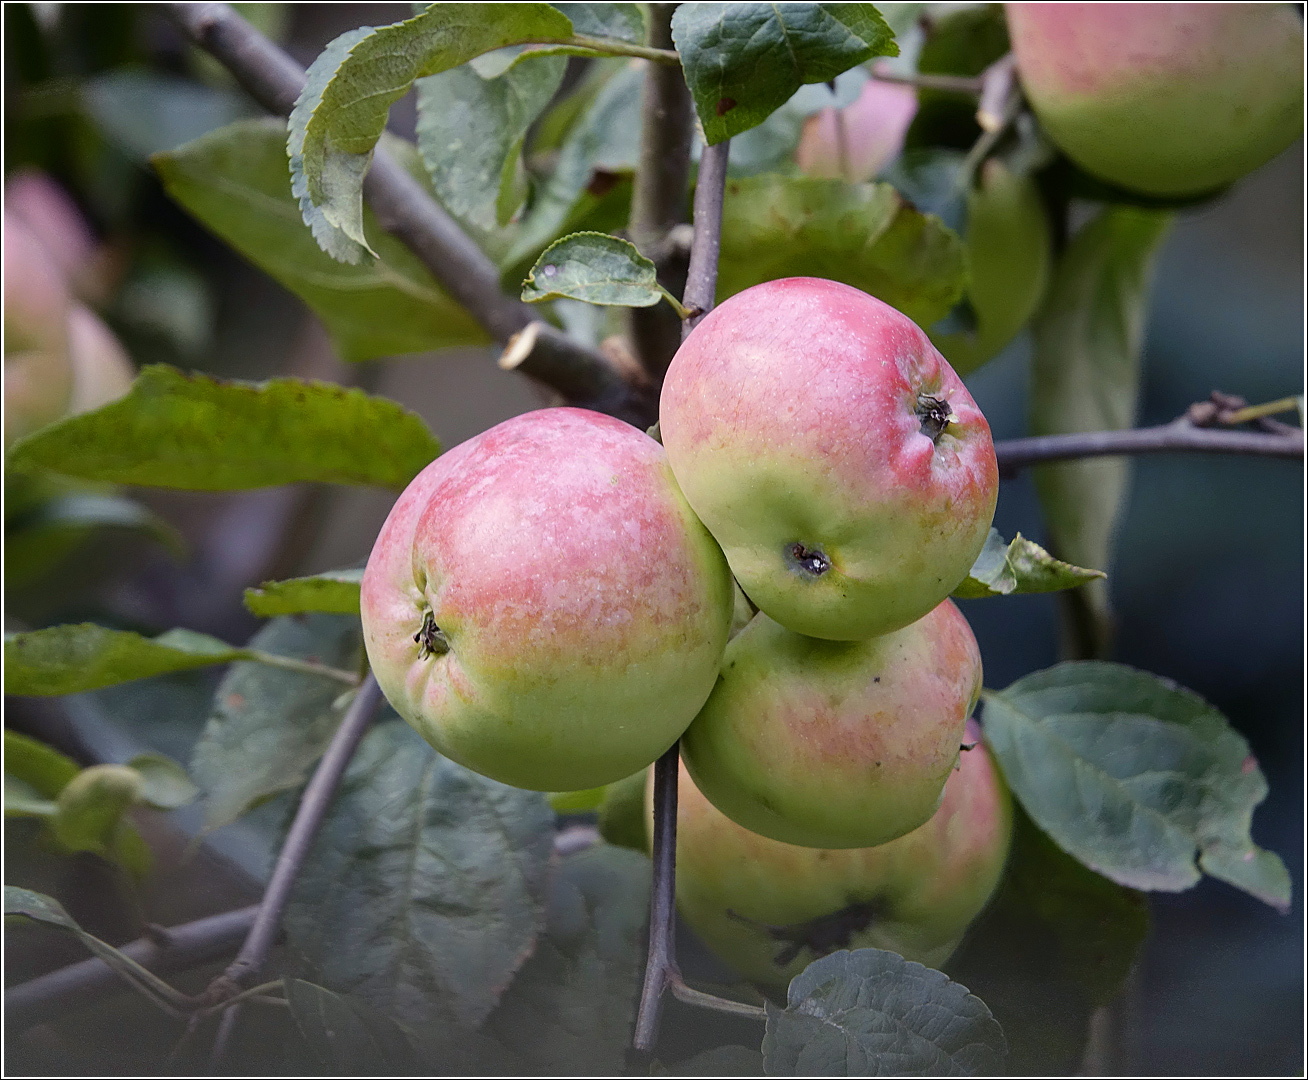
point(1208, 582)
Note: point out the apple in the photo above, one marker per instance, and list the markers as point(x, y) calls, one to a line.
point(857, 142)
point(833, 453)
point(38, 370)
point(769, 909)
point(1008, 253)
point(102, 370)
point(54, 219)
point(836, 744)
point(1165, 99)
point(543, 606)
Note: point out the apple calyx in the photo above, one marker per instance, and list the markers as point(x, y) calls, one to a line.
point(935, 414)
point(822, 935)
point(810, 560)
point(431, 638)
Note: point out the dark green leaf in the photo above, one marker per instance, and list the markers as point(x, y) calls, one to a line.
point(350, 88)
point(606, 139)
point(269, 726)
point(1134, 776)
point(961, 42)
point(1086, 377)
point(234, 181)
point(348, 1036)
point(206, 434)
point(165, 785)
point(862, 234)
point(47, 910)
point(470, 133)
point(570, 1010)
point(1056, 941)
point(742, 61)
point(42, 767)
point(732, 1060)
point(594, 268)
point(434, 875)
point(1019, 567)
point(873, 1013)
point(335, 591)
point(83, 656)
point(621, 22)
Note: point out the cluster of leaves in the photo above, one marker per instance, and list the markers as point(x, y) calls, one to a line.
point(434, 922)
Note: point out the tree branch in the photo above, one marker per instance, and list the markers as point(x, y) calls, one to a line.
point(57, 993)
point(1178, 436)
point(658, 198)
point(313, 808)
point(403, 208)
point(702, 277)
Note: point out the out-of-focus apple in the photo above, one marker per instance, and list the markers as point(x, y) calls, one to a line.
point(54, 219)
point(102, 370)
point(857, 142)
point(836, 744)
point(543, 605)
point(833, 453)
point(769, 909)
point(1166, 99)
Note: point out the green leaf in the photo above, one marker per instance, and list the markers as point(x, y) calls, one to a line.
point(733, 1060)
point(37, 541)
point(348, 1036)
point(41, 767)
point(90, 808)
point(72, 658)
point(1086, 377)
point(49, 912)
point(234, 182)
point(335, 591)
point(742, 61)
point(165, 785)
point(571, 1008)
point(350, 88)
point(862, 234)
point(1135, 776)
point(470, 134)
point(1019, 567)
point(144, 112)
point(207, 434)
point(269, 726)
point(605, 140)
point(23, 800)
point(435, 876)
point(594, 268)
point(1056, 941)
point(873, 1013)
point(621, 22)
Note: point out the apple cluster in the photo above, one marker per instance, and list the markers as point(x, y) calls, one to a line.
point(551, 604)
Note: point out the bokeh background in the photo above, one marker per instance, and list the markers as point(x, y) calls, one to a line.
point(1208, 579)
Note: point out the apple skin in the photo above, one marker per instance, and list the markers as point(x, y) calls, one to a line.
point(793, 417)
point(102, 370)
point(921, 891)
point(38, 369)
point(1165, 99)
point(1009, 247)
point(836, 744)
point(585, 607)
point(874, 123)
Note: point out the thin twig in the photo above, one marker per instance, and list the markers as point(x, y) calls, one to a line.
point(405, 209)
point(59, 992)
point(313, 807)
point(957, 84)
point(1178, 436)
point(658, 197)
point(690, 996)
point(612, 47)
point(305, 667)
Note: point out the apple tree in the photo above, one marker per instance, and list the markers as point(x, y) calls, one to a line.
point(678, 648)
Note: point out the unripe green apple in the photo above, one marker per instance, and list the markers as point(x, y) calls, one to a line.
point(769, 909)
point(1166, 99)
point(833, 453)
point(543, 606)
point(38, 372)
point(1008, 252)
point(836, 744)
